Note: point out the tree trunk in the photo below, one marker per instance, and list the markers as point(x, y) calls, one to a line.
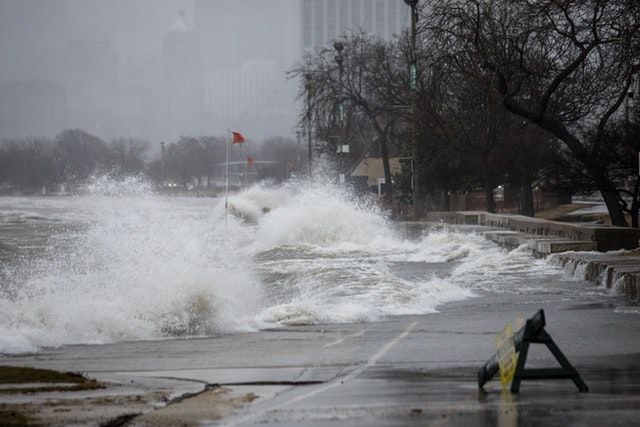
point(591, 164)
point(635, 205)
point(384, 152)
point(418, 190)
point(489, 185)
point(489, 198)
point(416, 198)
point(595, 170)
point(526, 200)
point(447, 200)
point(615, 210)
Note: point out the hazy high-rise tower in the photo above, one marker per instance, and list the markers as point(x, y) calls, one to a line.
point(182, 78)
point(120, 68)
point(324, 20)
point(90, 80)
point(247, 47)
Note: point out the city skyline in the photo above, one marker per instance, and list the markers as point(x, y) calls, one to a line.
point(160, 69)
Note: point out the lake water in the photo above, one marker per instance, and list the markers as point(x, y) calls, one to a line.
point(123, 263)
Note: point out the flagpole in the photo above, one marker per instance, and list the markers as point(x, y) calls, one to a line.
point(226, 182)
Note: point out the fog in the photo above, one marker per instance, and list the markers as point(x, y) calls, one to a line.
point(149, 69)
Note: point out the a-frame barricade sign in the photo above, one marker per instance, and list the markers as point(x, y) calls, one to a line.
point(532, 332)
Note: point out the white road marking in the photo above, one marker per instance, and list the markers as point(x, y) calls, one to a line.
point(332, 384)
point(341, 339)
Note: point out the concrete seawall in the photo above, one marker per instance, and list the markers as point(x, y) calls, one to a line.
point(605, 238)
point(620, 272)
point(580, 248)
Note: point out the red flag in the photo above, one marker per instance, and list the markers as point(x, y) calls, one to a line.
point(250, 160)
point(237, 138)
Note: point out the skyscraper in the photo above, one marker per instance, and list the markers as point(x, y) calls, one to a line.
point(247, 47)
point(182, 81)
point(90, 81)
point(31, 108)
point(324, 20)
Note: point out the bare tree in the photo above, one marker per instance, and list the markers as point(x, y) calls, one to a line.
point(563, 65)
point(127, 154)
point(78, 154)
point(27, 163)
point(370, 84)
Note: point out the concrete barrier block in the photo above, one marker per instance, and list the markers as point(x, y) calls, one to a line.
point(607, 238)
point(554, 246)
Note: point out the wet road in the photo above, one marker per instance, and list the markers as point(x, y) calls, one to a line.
point(413, 370)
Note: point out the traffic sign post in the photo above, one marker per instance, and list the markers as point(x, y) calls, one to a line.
point(531, 333)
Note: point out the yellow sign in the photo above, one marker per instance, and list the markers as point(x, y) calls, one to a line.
point(507, 356)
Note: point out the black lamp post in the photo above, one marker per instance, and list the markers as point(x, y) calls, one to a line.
point(298, 151)
point(162, 176)
point(413, 4)
point(414, 20)
point(413, 77)
point(309, 87)
point(338, 45)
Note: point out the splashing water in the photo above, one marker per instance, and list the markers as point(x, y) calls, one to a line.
point(122, 263)
point(130, 267)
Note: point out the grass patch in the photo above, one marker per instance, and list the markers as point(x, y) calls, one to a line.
point(24, 375)
point(21, 375)
point(563, 214)
point(89, 385)
point(561, 211)
point(13, 418)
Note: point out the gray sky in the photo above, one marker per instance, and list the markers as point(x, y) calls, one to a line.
point(33, 32)
point(113, 67)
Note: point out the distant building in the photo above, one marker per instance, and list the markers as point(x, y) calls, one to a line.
point(182, 81)
point(245, 92)
point(324, 20)
point(31, 108)
point(247, 48)
point(373, 169)
point(138, 105)
point(90, 82)
point(227, 68)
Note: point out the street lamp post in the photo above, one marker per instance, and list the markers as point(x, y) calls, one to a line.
point(413, 77)
point(162, 176)
point(338, 45)
point(309, 86)
point(413, 72)
point(297, 151)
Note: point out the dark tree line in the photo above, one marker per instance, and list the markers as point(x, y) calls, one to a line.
point(524, 92)
point(72, 156)
point(564, 66)
point(197, 157)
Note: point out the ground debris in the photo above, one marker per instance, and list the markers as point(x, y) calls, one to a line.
point(211, 404)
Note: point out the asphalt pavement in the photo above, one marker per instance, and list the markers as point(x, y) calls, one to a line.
point(408, 370)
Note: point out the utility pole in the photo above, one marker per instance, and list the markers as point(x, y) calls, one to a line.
point(162, 177)
point(298, 152)
point(413, 77)
point(338, 45)
point(309, 87)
